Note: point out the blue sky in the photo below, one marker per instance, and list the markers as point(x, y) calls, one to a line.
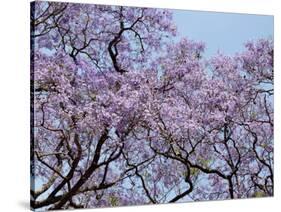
point(226, 32)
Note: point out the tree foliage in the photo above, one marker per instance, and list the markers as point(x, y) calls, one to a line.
point(125, 115)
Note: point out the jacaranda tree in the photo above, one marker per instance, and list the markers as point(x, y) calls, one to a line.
point(123, 114)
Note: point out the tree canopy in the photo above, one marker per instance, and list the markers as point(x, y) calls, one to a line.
point(124, 114)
